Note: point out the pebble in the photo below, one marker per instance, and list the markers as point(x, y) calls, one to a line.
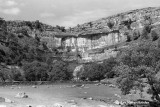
point(34, 86)
point(90, 98)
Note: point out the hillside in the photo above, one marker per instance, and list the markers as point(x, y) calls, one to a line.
point(21, 41)
point(96, 40)
point(133, 19)
point(108, 34)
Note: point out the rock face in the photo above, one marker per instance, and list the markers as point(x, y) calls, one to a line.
point(121, 22)
point(99, 39)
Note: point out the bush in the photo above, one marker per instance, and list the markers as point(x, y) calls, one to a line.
point(92, 72)
point(136, 35)
point(108, 65)
point(110, 24)
point(154, 35)
point(145, 32)
point(36, 71)
point(4, 74)
point(59, 72)
point(127, 23)
point(16, 74)
point(129, 39)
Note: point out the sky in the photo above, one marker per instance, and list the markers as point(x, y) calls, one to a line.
point(68, 13)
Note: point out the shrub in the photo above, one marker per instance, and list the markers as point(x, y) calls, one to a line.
point(128, 36)
point(16, 74)
point(36, 71)
point(138, 64)
point(110, 24)
point(154, 35)
point(93, 72)
point(145, 32)
point(59, 72)
point(108, 65)
point(136, 35)
point(4, 74)
point(127, 23)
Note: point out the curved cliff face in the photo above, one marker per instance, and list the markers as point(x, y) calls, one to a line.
point(106, 33)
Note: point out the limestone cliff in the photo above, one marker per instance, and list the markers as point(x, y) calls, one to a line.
point(99, 39)
point(122, 22)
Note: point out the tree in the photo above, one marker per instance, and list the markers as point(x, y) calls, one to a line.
point(136, 35)
point(138, 63)
point(38, 25)
point(108, 65)
point(154, 35)
point(93, 72)
point(133, 78)
point(145, 32)
point(110, 24)
point(36, 71)
point(59, 72)
point(4, 74)
point(127, 23)
point(16, 74)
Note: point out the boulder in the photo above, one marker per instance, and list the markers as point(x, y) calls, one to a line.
point(113, 86)
point(78, 85)
point(34, 86)
point(97, 84)
point(8, 100)
point(90, 98)
point(117, 95)
point(72, 102)
point(21, 95)
point(117, 102)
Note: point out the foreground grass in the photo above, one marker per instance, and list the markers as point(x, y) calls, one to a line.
point(89, 95)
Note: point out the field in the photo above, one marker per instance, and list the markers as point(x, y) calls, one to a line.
point(68, 95)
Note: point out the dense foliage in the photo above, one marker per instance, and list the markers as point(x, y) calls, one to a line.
point(139, 65)
point(32, 56)
point(95, 71)
point(92, 72)
point(59, 72)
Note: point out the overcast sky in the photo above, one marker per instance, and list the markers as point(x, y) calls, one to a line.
point(68, 12)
